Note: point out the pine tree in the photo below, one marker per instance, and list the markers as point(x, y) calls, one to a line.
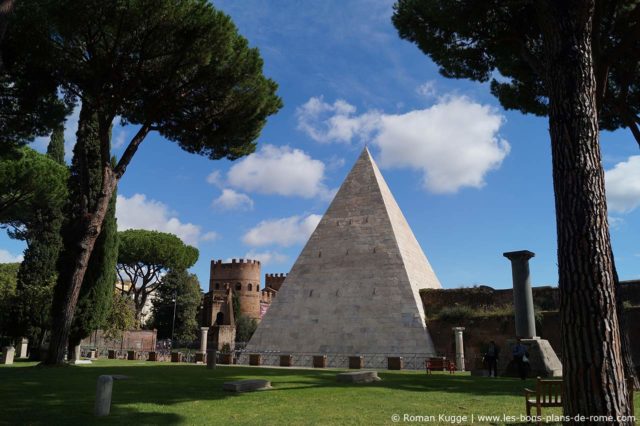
point(185, 289)
point(37, 220)
point(55, 149)
point(96, 293)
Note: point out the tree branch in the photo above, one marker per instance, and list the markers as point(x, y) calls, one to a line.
point(131, 150)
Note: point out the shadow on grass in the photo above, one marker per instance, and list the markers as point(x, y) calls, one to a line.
point(41, 395)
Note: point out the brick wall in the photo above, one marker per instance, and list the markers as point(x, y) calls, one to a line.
point(479, 331)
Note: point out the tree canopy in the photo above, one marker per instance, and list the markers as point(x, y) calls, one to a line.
point(8, 279)
point(29, 182)
point(502, 42)
point(184, 288)
point(561, 59)
point(143, 256)
point(177, 67)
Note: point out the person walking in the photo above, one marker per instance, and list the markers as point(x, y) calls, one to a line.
point(491, 358)
point(520, 355)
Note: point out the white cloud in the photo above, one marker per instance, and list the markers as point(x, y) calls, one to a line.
point(281, 171)
point(615, 222)
point(454, 143)
point(209, 236)
point(232, 200)
point(119, 139)
point(284, 232)
point(335, 122)
point(138, 212)
point(7, 257)
point(623, 185)
point(427, 89)
point(215, 178)
point(266, 257)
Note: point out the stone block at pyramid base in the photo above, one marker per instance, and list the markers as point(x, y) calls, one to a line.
point(354, 289)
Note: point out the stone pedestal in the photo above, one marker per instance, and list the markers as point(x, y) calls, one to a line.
point(356, 362)
point(211, 359)
point(394, 363)
point(522, 295)
point(8, 352)
point(201, 357)
point(132, 355)
point(459, 348)
point(320, 361)
point(176, 356)
point(226, 359)
point(255, 359)
point(543, 361)
point(153, 356)
point(22, 348)
point(111, 354)
point(93, 354)
point(286, 360)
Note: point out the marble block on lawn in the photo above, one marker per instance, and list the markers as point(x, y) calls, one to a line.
point(247, 385)
point(358, 377)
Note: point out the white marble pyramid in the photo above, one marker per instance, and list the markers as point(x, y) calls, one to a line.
point(354, 289)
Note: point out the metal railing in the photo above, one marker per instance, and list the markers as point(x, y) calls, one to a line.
point(377, 361)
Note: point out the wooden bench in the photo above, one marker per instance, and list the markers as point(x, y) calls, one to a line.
point(439, 364)
point(548, 393)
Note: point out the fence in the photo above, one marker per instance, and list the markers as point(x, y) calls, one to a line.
point(410, 361)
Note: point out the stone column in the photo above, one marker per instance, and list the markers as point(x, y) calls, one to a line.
point(24, 344)
point(459, 348)
point(204, 331)
point(8, 352)
point(522, 295)
point(76, 353)
point(104, 389)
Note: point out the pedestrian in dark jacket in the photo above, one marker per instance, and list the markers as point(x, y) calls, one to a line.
point(520, 357)
point(491, 358)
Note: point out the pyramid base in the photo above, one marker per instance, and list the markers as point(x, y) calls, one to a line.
point(333, 360)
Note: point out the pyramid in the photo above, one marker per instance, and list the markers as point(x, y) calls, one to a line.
point(354, 289)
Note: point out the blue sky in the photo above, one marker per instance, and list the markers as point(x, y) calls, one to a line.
point(472, 179)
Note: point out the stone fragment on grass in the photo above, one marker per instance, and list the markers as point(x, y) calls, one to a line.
point(358, 377)
point(247, 385)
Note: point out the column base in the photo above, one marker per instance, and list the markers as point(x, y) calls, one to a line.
point(543, 361)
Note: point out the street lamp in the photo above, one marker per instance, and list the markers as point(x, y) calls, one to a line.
point(173, 323)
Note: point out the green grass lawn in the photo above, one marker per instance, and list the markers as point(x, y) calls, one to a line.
point(163, 393)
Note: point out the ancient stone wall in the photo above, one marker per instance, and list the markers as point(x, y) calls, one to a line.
point(479, 331)
point(139, 340)
point(483, 297)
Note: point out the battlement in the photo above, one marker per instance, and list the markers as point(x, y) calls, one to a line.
point(274, 281)
point(235, 263)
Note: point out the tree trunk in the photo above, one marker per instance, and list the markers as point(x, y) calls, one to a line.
point(625, 341)
point(591, 354)
point(71, 281)
point(6, 9)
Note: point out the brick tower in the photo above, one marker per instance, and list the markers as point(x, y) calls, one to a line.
point(243, 278)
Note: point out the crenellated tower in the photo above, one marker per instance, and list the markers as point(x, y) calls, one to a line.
point(274, 281)
point(242, 276)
